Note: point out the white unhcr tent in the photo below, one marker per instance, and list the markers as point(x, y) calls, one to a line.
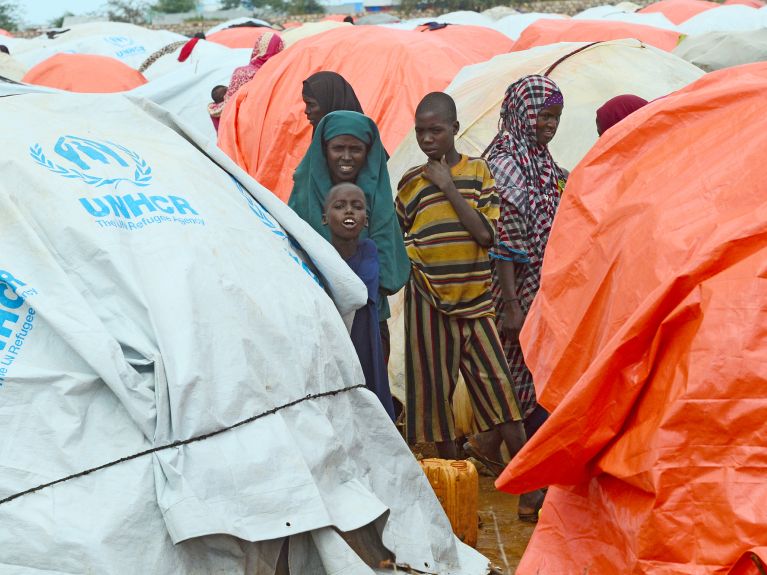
point(126, 42)
point(156, 299)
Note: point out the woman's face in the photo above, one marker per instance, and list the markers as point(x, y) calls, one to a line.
point(346, 155)
point(547, 124)
point(312, 110)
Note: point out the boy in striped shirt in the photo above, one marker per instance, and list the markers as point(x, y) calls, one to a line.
point(448, 210)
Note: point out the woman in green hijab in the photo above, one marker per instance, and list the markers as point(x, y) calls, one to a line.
point(346, 147)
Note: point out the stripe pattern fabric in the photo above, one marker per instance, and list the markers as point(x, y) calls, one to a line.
point(450, 269)
point(440, 346)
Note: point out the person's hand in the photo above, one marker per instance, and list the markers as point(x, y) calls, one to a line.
point(438, 173)
point(511, 323)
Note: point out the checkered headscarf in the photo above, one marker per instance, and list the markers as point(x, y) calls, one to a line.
point(525, 173)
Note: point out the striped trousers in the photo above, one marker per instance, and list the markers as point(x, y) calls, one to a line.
point(437, 348)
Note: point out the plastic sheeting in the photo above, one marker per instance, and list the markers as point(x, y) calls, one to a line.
point(515, 24)
point(293, 35)
point(647, 343)
point(11, 68)
point(143, 301)
point(545, 32)
point(725, 19)
point(244, 37)
point(679, 11)
point(125, 42)
point(717, 50)
point(264, 128)
point(587, 79)
point(84, 73)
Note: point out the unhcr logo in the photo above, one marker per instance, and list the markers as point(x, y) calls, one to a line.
point(16, 320)
point(101, 163)
point(94, 162)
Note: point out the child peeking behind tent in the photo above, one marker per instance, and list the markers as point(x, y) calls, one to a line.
point(345, 214)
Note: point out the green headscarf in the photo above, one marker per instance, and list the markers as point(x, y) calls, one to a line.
point(311, 183)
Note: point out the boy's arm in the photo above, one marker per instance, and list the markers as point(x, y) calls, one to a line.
point(438, 173)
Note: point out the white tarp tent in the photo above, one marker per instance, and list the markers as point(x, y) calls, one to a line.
point(732, 18)
point(152, 295)
point(619, 14)
point(717, 50)
point(126, 42)
point(515, 24)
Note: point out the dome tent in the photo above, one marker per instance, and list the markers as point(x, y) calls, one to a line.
point(678, 11)
point(653, 367)
point(717, 50)
point(128, 43)
point(145, 308)
point(84, 73)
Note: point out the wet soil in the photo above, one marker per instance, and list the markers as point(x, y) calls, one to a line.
point(502, 537)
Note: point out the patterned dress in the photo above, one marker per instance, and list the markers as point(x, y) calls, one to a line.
point(530, 184)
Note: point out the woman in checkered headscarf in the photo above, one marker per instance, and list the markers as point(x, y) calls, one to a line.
point(529, 184)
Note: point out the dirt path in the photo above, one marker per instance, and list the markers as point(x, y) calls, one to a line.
point(512, 533)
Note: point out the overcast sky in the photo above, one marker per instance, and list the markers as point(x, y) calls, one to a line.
point(43, 11)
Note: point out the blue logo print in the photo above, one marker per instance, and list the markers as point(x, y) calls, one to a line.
point(89, 160)
point(119, 41)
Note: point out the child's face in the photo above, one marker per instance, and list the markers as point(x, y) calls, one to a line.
point(345, 214)
point(435, 135)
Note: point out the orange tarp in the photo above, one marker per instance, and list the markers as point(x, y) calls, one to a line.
point(240, 37)
point(679, 11)
point(4, 32)
point(264, 128)
point(84, 73)
point(648, 343)
point(545, 31)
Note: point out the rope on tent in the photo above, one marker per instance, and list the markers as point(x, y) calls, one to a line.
point(179, 443)
point(566, 56)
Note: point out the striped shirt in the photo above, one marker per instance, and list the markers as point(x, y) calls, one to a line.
point(450, 269)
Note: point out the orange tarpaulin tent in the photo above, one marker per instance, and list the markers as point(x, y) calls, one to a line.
point(547, 31)
point(752, 3)
point(264, 128)
point(648, 344)
point(679, 11)
point(239, 37)
point(84, 73)
point(4, 32)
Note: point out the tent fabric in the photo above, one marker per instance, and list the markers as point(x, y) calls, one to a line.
point(717, 50)
point(587, 79)
point(139, 314)
point(545, 32)
point(309, 29)
point(752, 3)
point(647, 343)
point(4, 32)
point(733, 18)
point(264, 128)
point(245, 37)
point(11, 68)
point(84, 73)
point(514, 24)
point(655, 19)
point(126, 42)
point(237, 21)
point(679, 11)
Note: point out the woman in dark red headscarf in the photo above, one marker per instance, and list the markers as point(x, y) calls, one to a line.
point(615, 109)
